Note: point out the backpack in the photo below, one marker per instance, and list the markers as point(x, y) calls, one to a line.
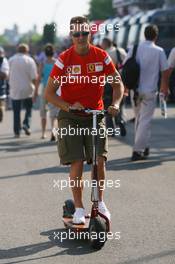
point(118, 55)
point(2, 81)
point(131, 72)
point(4, 84)
point(108, 91)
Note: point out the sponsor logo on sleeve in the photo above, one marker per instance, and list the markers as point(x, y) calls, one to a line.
point(107, 60)
point(59, 63)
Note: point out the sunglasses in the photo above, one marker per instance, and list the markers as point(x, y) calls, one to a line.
point(78, 34)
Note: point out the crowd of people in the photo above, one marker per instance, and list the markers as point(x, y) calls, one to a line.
point(25, 76)
point(21, 78)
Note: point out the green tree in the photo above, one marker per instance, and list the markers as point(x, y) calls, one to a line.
point(49, 33)
point(3, 40)
point(36, 38)
point(101, 9)
point(33, 38)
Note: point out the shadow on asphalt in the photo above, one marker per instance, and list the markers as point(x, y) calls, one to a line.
point(147, 259)
point(42, 171)
point(29, 155)
point(114, 165)
point(72, 247)
point(22, 144)
point(152, 161)
point(45, 171)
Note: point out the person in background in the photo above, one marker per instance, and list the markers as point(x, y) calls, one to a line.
point(171, 63)
point(45, 68)
point(22, 80)
point(4, 72)
point(152, 61)
point(117, 55)
point(171, 60)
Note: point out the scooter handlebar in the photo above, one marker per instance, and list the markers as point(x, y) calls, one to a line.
point(88, 111)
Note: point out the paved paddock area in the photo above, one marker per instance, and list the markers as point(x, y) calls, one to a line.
point(143, 208)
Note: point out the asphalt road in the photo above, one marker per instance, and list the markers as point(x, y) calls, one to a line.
point(143, 208)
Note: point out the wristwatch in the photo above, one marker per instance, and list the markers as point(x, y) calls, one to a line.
point(116, 106)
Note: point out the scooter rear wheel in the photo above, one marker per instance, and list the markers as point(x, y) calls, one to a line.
point(97, 232)
point(68, 208)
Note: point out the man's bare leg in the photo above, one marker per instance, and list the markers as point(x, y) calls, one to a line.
point(76, 172)
point(43, 126)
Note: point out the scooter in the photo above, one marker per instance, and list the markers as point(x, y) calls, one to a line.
point(97, 223)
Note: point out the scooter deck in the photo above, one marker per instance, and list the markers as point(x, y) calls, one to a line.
point(69, 224)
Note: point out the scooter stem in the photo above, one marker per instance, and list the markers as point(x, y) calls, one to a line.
point(95, 190)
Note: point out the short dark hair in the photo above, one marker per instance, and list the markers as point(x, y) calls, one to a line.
point(151, 32)
point(49, 50)
point(78, 20)
point(107, 41)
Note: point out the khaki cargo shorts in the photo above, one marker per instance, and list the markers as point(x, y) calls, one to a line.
point(75, 138)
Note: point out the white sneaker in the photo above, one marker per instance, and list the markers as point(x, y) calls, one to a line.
point(79, 216)
point(103, 210)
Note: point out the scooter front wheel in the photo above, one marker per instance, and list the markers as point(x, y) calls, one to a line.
point(97, 232)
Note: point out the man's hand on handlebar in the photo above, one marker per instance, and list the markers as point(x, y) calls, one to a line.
point(77, 106)
point(113, 110)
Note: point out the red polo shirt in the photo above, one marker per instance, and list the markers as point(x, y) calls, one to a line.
point(82, 78)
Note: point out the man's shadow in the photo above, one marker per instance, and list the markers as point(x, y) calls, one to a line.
point(69, 247)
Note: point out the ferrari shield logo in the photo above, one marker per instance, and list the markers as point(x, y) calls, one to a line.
point(91, 67)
